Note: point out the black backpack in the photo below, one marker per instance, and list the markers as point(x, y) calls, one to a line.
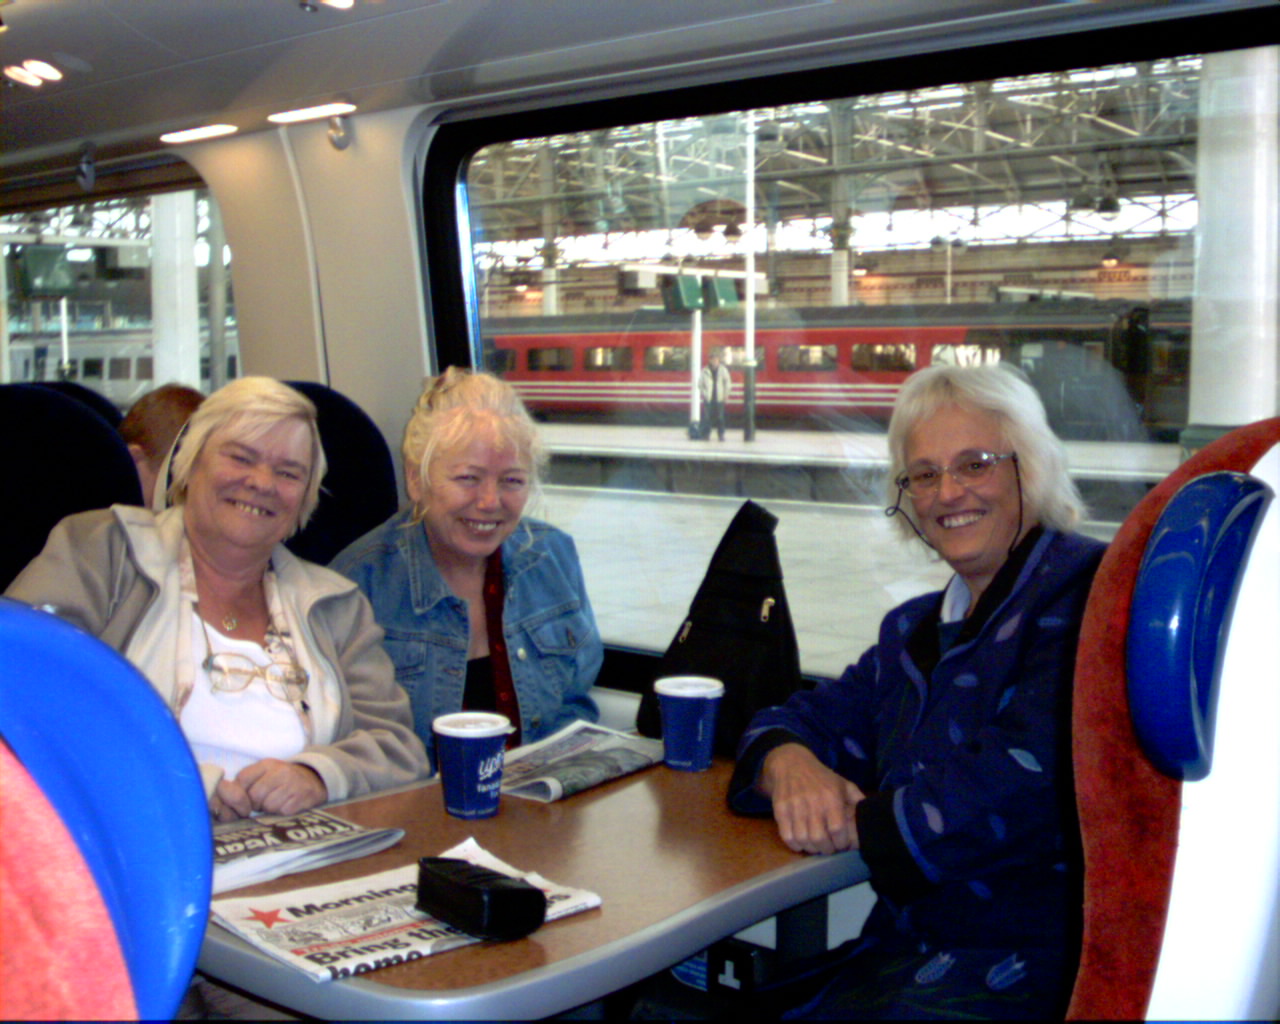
point(738, 630)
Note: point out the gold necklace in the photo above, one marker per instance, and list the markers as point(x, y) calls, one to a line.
point(229, 622)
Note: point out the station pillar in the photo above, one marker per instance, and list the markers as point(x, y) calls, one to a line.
point(175, 308)
point(1234, 376)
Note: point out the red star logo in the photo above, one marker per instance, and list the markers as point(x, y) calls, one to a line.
point(266, 917)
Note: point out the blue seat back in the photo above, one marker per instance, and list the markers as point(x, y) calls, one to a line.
point(62, 458)
point(359, 490)
point(1181, 609)
point(112, 760)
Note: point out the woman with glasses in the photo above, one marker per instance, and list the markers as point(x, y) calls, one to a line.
point(485, 608)
point(944, 753)
point(273, 666)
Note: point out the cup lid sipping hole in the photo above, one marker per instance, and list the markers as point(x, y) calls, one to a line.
point(689, 686)
point(472, 724)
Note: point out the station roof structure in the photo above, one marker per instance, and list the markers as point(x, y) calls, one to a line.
point(1081, 143)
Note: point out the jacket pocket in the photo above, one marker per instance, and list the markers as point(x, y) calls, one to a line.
point(562, 636)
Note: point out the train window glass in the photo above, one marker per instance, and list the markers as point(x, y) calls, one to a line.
point(551, 358)
point(140, 285)
point(671, 358)
point(900, 358)
point(807, 357)
point(1051, 220)
point(607, 358)
point(499, 360)
point(965, 355)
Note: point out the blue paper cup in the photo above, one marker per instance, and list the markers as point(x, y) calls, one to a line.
point(469, 752)
point(689, 707)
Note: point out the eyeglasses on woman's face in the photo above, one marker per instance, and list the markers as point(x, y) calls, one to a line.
point(969, 469)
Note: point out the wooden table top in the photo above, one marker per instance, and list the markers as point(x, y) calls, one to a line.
point(656, 846)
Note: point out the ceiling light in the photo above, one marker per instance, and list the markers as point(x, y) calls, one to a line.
point(43, 69)
point(312, 113)
point(23, 76)
point(209, 131)
point(342, 5)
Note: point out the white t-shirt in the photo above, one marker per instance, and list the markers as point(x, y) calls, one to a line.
point(233, 730)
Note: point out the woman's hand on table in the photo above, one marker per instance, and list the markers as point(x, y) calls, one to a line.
point(270, 786)
point(812, 805)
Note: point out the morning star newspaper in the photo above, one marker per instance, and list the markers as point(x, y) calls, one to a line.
point(260, 849)
point(579, 756)
point(353, 927)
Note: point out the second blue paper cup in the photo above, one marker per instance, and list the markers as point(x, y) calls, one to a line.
point(469, 751)
point(689, 707)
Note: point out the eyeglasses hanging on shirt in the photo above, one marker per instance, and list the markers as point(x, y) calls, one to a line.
point(229, 672)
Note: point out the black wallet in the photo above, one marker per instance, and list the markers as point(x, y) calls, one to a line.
point(480, 902)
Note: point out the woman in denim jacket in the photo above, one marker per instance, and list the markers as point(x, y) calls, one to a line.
point(483, 608)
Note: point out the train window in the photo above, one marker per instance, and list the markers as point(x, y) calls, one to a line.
point(671, 358)
point(807, 357)
point(898, 358)
point(551, 358)
point(611, 357)
point(965, 355)
point(1050, 220)
point(499, 360)
point(138, 283)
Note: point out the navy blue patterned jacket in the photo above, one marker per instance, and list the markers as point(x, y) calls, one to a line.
point(969, 824)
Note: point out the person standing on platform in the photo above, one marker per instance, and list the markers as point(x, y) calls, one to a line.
point(714, 385)
point(944, 753)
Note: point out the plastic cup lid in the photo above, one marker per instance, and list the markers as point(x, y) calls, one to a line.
point(689, 686)
point(472, 724)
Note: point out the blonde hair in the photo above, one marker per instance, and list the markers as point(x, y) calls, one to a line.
point(451, 408)
point(251, 406)
point(1050, 494)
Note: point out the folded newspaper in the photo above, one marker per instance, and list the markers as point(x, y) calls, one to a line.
point(579, 756)
point(335, 931)
point(260, 849)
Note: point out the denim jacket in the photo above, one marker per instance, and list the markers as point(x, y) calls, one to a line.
point(552, 640)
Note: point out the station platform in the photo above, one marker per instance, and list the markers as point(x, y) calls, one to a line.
point(806, 465)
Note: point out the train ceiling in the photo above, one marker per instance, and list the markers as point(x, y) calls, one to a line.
point(136, 68)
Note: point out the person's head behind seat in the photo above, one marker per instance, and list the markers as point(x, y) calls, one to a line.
point(453, 409)
point(1042, 459)
point(150, 426)
point(248, 408)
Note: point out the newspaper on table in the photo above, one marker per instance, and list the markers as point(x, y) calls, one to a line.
point(579, 756)
point(346, 928)
point(259, 849)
